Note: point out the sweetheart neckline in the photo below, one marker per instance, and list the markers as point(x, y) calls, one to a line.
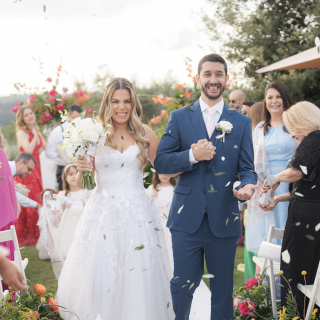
point(132, 145)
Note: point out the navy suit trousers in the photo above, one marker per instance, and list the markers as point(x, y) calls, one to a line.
point(188, 253)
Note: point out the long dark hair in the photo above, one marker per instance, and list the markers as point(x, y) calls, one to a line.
point(286, 98)
point(156, 181)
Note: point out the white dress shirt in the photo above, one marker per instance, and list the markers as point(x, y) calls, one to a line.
point(56, 139)
point(219, 107)
point(23, 200)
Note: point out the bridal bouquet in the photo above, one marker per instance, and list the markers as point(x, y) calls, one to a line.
point(85, 137)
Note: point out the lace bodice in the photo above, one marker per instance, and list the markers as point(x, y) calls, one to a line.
point(119, 172)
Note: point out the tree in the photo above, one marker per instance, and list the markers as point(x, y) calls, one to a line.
point(257, 34)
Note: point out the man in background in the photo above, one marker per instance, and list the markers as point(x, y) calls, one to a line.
point(56, 139)
point(245, 107)
point(237, 98)
point(22, 166)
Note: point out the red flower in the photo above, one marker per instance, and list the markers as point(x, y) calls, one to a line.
point(36, 313)
point(188, 94)
point(194, 79)
point(180, 106)
point(49, 79)
point(39, 289)
point(60, 107)
point(252, 282)
point(80, 93)
point(52, 93)
point(54, 305)
point(18, 104)
point(180, 86)
point(89, 110)
point(47, 116)
point(247, 309)
point(32, 98)
point(15, 109)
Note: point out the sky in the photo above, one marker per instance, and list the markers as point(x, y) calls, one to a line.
point(134, 38)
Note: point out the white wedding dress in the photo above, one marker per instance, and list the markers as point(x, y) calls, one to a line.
point(117, 264)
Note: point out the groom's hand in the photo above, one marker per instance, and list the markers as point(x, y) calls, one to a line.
point(245, 193)
point(203, 150)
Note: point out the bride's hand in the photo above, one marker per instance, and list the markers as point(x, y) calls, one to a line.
point(265, 188)
point(271, 205)
point(83, 164)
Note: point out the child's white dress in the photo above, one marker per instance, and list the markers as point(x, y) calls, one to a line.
point(201, 303)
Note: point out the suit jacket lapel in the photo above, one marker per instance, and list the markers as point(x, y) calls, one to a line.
point(197, 120)
point(227, 116)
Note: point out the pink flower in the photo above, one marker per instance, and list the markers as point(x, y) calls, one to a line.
point(89, 110)
point(236, 302)
point(252, 282)
point(163, 112)
point(60, 107)
point(18, 104)
point(49, 79)
point(32, 98)
point(247, 309)
point(65, 89)
point(15, 109)
point(80, 93)
point(52, 93)
point(47, 116)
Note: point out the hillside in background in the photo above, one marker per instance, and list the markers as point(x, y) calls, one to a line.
point(6, 104)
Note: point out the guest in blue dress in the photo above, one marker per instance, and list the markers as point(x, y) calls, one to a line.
point(273, 147)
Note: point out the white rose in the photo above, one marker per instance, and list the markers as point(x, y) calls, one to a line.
point(225, 126)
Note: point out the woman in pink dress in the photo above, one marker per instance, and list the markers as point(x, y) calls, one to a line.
point(9, 205)
point(29, 140)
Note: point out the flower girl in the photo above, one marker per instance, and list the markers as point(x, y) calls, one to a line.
point(161, 191)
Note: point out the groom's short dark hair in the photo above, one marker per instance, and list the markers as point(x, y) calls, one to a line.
point(212, 57)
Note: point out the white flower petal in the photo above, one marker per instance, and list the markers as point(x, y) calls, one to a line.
point(228, 183)
point(180, 209)
point(299, 194)
point(223, 158)
point(286, 256)
point(236, 184)
point(317, 228)
point(304, 170)
point(208, 276)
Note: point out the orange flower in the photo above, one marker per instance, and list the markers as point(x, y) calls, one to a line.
point(180, 86)
point(163, 112)
point(39, 289)
point(228, 85)
point(188, 94)
point(153, 120)
point(155, 99)
point(53, 305)
point(180, 106)
point(36, 313)
point(194, 79)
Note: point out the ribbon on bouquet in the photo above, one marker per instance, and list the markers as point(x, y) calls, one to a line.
point(221, 136)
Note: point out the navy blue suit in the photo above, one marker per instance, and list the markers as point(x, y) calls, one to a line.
point(208, 223)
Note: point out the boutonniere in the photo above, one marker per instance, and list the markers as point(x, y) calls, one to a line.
point(225, 127)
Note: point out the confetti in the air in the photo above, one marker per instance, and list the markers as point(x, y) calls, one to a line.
point(208, 276)
point(139, 248)
point(101, 66)
point(121, 165)
point(236, 218)
point(122, 137)
point(168, 305)
point(278, 149)
point(304, 170)
point(299, 194)
point(107, 165)
point(236, 184)
point(317, 228)
point(16, 87)
point(313, 187)
point(159, 246)
point(307, 226)
point(227, 221)
point(212, 190)
point(219, 173)
point(157, 229)
point(44, 8)
point(104, 237)
point(235, 147)
point(228, 183)
point(144, 270)
point(153, 170)
point(191, 286)
point(180, 208)
point(286, 256)
point(223, 158)
point(94, 15)
point(310, 237)
point(298, 224)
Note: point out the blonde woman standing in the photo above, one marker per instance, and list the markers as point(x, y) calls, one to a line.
point(29, 140)
point(118, 264)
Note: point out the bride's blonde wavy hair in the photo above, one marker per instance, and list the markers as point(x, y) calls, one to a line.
point(135, 126)
point(20, 124)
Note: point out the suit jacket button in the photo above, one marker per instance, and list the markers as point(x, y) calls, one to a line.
point(209, 172)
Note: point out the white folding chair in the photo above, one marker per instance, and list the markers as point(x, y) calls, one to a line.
point(270, 267)
point(9, 235)
point(312, 292)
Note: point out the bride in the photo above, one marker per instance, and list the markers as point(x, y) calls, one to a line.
point(117, 266)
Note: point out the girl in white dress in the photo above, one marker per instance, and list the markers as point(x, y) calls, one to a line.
point(70, 217)
point(161, 191)
point(117, 264)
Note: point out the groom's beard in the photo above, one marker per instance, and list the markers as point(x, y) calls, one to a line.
point(215, 96)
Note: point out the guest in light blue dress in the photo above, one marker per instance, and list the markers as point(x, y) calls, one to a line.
point(273, 147)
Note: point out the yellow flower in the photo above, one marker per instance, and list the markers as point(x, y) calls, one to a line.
point(304, 273)
point(314, 313)
point(249, 306)
point(43, 300)
point(296, 318)
point(280, 272)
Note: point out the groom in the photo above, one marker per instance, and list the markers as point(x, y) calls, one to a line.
point(204, 216)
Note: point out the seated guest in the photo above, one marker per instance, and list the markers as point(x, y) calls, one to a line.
point(256, 114)
point(236, 99)
point(246, 107)
point(301, 238)
point(56, 139)
point(23, 165)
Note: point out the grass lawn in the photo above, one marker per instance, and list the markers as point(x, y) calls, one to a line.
point(40, 271)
